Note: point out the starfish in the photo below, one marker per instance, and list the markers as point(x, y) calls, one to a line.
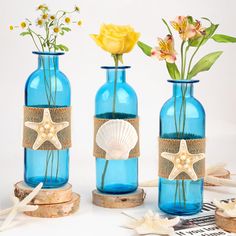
point(47, 130)
point(183, 161)
point(19, 207)
point(152, 224)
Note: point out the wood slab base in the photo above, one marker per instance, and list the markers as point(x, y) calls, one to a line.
point(225, 223)
point(225, 174)
point(51, 203)
point(57, 210)
point(45, 196)
point(119, 200)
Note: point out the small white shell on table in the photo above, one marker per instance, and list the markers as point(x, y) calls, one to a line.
point(117, 138)
point(228, 209)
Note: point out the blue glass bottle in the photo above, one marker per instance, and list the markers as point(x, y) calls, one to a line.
point(47, 87)
point(181, 117)
point(121, 176)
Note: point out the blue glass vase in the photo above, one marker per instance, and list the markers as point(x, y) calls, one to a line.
point(181, 117)
point(116, 100)
point(47, 87)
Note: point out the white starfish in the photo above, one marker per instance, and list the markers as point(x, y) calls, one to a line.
point(19, 207)
point(228, 208)
point(152, 223)
point(183, 161)
point(47, 130)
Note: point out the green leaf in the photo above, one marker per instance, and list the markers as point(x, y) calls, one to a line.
point(190, 19)
point(221, 38)
point(66, 29)
point(205, 18)
point(145, 48)
point(62, 47)
point(173, 71)
point(209, 32)
point(204, 64)
point(24, 33)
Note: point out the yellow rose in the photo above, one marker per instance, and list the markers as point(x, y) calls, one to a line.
point(116, 39)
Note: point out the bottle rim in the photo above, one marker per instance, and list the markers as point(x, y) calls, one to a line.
point(184, 81)
point(113, 67)
point(48, 53)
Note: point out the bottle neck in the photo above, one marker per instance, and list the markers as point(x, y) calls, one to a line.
point(182, 90)
point(116, 74)
point(48, 62)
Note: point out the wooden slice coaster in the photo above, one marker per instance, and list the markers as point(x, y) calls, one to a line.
point(45, 196)
point(224, 174)
point(118, 201)
point(57, 210)
point(225, 223)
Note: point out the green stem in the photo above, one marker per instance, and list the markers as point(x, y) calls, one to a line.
point(55, 74)
point(176, 190)
point(175, 118)
point(184, 194)
point(31, 35)
point(194, 53)
point(104, 174)
point(113, 114)
point(179, 193)
point(182, 60)
point(115, 86)
point(45, 80)
point(52, 164)
point(58, 160)
point(47, 163)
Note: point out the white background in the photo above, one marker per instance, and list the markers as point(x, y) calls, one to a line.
point(82, 64)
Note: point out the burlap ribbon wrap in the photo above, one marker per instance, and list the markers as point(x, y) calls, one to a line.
point(99, 152)
point(35, 114)
point(195, 146)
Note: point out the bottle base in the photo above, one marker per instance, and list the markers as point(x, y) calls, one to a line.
point(49, 183)
point(181, 210)
point(117, 189)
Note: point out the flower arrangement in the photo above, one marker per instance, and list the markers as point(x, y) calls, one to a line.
point(193, 35)
point(45, 32)
point(48, 27)
point(116, 40)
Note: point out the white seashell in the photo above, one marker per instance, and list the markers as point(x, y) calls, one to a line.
point(228, 208)
point(117, 138)
point(149, 183)
point(215, 169)
point(220, 181)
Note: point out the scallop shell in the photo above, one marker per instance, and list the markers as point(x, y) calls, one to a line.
point(117, 138)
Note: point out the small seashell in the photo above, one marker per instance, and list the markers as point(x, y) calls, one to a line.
point(215, 169)
point(228, 209)
point(117, 138)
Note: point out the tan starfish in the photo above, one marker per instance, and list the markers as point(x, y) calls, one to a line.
point(183, 161)
point(47, 130)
